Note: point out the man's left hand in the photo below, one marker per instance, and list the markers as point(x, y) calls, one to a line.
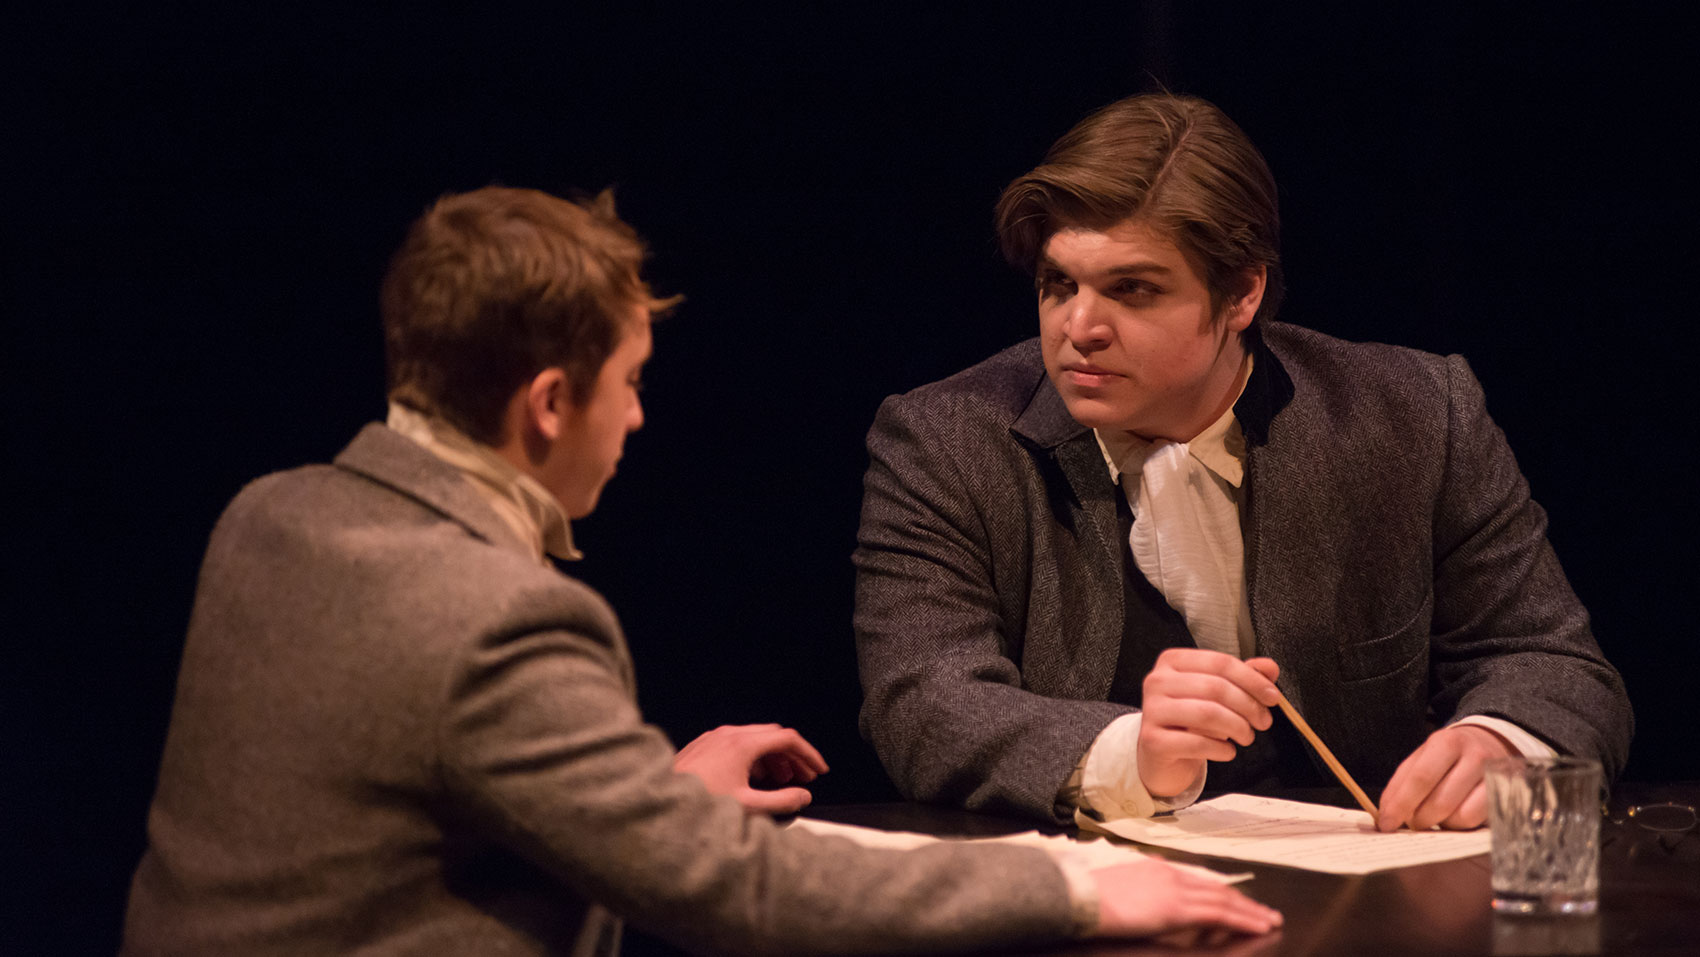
point(1441, 782)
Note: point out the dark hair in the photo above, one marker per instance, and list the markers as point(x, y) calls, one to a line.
point(493, 286)
point(1178, 164)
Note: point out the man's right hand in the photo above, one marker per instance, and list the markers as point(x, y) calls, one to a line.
point(731, 758)
point(1197, 706)
point(1151, 898)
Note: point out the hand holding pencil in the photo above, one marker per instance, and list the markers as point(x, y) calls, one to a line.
point(1200, 706)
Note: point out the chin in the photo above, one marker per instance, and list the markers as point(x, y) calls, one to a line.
point(1096, 415)
point(585, 503)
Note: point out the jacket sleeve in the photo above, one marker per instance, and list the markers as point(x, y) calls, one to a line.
point(542, 746)
point(1510, 638)
point(945, 579)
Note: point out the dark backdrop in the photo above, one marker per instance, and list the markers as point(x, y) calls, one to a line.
point(203, 200)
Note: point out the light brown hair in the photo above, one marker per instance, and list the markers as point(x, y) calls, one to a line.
point(1176, 163)
point(493, 286)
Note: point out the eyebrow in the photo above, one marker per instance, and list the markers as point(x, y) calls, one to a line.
point(1126, 269)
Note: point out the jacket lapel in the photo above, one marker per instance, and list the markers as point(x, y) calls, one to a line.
point(1268, 392)
point(1066, 452)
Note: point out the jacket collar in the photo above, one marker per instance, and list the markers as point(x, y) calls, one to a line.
point(1045, 423)
point(1267, 391)
point(390, 458)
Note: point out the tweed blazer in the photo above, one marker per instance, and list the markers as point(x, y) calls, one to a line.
point(1396, 567)
point(397, 733)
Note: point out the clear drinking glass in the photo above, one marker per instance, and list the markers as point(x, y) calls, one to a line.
point(1545, 817)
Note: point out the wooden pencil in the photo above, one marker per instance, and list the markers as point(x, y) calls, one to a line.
point(1334, 765)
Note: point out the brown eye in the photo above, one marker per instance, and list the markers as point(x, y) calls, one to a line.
point(1052, 285)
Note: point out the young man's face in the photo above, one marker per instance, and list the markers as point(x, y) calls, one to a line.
point(1129, 336)
point(595, 433)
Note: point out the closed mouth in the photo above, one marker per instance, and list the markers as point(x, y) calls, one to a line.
point(1085, 369)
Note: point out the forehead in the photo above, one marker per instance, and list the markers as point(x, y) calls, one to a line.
point(1125, 246)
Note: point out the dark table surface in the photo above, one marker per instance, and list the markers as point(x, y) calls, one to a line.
point(1649, 891)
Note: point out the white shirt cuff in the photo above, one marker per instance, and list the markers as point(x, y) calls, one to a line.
point(1526, 744)
point(1109, 781)
point(1082, 895)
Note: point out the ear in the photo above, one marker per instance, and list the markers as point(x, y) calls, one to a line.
point(1240, 311)
point(547, 400)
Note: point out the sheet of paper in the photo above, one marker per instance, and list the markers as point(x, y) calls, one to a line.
point(1089, 853)
point(1313, 837)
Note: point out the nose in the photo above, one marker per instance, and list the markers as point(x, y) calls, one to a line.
point(634, 418)
point(1087, 324)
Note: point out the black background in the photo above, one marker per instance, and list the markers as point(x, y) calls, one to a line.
point(203, 199)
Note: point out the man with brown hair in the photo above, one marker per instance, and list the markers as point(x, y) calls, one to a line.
point(399, 729)
point(1086, 564)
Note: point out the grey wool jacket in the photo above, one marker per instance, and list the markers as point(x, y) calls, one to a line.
point(1396, 567)
point(397, 733)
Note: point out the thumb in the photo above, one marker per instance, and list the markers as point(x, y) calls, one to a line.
point(780, 801)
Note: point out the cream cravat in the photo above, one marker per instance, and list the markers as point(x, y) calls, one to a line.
point(1186, 540)
point(519, 500)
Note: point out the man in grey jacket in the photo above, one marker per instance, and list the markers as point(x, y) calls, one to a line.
point(1086, 564)
point(399, 729)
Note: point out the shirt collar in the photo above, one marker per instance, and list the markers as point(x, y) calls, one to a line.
point(520, 500)
point(1219, 448)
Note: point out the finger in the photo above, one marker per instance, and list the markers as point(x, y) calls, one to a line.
point(1472, 811)
point(783, 741)
point(1238, 912)
point(1412, 783)
point(807, 757)
point(1254, 681)
point(1449, 794)
point(1260, 918)
point(1206, 718)
point(800, 770)
point(724, 733)
point(1222, 906)
point(782, 801)
point(785, 768)
point(1173, 744)
point(1245, 916)
point(1181, 686)
point(1266, 667)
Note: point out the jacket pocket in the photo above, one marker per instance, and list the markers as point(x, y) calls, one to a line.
point(1403, 647)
